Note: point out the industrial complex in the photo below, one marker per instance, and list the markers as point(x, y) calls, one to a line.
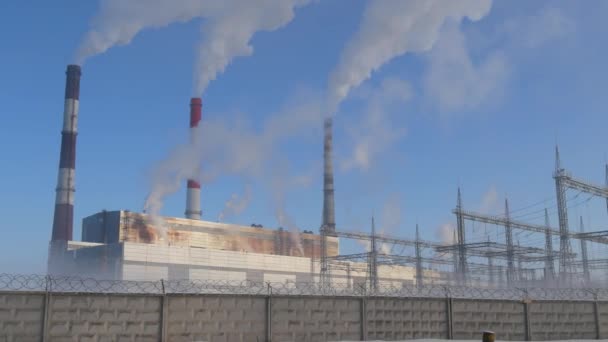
point(125, 245)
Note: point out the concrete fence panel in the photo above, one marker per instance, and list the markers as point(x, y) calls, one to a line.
point(472, 317)
point(602, 311)
point(216, 318)
point(315, 319)
point(400, 319)
point(21, 317)
point(562, 320)
point(92, 317)
point(56, 317)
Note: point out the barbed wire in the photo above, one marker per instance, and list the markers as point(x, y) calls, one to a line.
point(71, 284)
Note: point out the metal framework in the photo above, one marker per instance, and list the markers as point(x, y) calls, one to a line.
point(385, 239)
point(418, 259)
point(584, 255)
point(509, 238)
point(549, 261)
point(461, 271)
point(562, 213)
point(501, 221)
point(505, 259)
point(373, 260)
point(324, 276)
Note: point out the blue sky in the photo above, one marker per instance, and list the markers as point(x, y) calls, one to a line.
point(482, 109)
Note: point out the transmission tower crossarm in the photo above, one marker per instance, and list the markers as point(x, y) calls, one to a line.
point(501, 221)
point(384, 239)
point(584, 186)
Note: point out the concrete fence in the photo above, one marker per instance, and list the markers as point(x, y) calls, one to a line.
point(46, 316)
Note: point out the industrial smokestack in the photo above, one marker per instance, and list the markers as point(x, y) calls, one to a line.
point(329, 219)
point(64, 201)
point(193, 195)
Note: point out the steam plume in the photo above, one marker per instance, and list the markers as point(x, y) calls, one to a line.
point(391, 28)
point(249, 153)
point(236, 204)
point(227, 28)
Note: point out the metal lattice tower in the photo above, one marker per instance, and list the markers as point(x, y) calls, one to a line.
point(606, 183)
point(520, 267)
point(491, 271)
point(455, 259)
point(509, 241)
point(562, 212)
point(418, 259)
point(585, 256)
point(324, 278)
point(373, 260)
point(549, 262)
point(462, 257)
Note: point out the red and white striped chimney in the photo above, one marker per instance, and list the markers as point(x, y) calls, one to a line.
point(193, 195)
point(63, 219)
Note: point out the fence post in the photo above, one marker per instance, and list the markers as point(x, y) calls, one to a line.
point(164, 311)
point(528, 330)
point(527, 327)
point(596, 314)
point(448, 305)
point(269, 314)
point(47, 308)
point(363, 317)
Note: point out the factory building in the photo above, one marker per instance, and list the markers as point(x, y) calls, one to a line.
point(125, 245)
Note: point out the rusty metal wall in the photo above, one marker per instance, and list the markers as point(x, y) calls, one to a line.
point(134, 227)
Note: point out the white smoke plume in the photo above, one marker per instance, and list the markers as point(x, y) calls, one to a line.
point(445, 233)
point(280, 183)
point(227, 35)
point(391, 215)
point(378, 129)
point(248, 152)
point(392, 28)
point(227, 27)
point(490, 204)
point(236, 204)
point(454, 82)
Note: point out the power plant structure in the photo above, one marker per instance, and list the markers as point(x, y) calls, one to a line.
point(193, 194)
point(126, 245)
point(488, 250)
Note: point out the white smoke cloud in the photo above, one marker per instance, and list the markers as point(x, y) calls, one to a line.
point(228, 34)
point(445, 233)
point(391, 28)
point(548, 24)
point(232, 146)
point(454, 82)
point(119, 21)
point(391, 215)
point(227, 28)
point(379, 126)
point(236, 204)
point(490, 203)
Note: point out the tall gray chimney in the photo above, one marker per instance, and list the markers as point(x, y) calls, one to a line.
point(329, 218)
